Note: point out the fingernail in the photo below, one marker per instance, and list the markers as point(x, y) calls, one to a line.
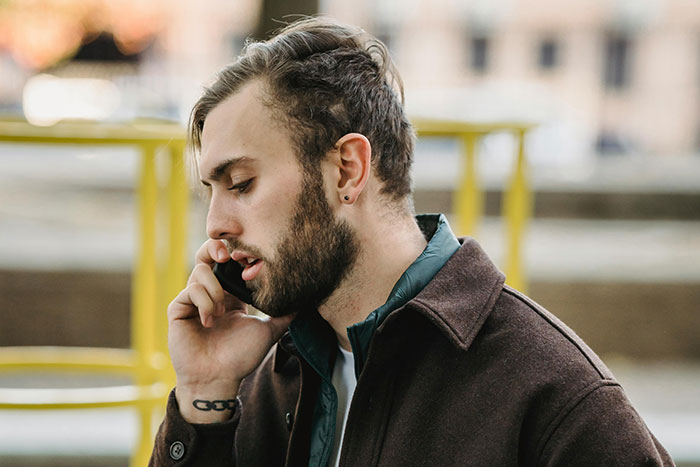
point(222, 256)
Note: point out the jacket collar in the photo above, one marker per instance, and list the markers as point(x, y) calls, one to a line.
point(461, 295)
point(442, 244)
point(457, 300)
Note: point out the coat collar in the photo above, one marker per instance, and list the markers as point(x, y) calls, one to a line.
point(457, 301)
point(442, 244)
point(314, 338)
point(461, 295)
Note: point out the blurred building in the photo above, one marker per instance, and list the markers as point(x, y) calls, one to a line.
point(155, 55)
point(621, 75)
point(610, 76)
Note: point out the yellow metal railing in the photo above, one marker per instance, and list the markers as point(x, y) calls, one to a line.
point(156, 279)
point(468, 201)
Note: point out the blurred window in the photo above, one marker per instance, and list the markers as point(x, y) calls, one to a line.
point(479, 54)
point(548, 54)
point(103, 48)
point(616, 72)
point(610, 142)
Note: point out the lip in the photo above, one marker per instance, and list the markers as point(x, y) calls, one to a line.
point(249, 270)
point(252, 270)
point(241, 256)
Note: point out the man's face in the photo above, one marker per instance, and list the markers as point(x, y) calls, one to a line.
point(273, 215)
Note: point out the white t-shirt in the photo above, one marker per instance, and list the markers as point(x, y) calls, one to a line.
point(344, 382)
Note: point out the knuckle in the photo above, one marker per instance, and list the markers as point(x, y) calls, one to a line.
point(204, 302)
point(200, 268)
point(218, 294)
point(204, 254)
point(173, 302)
point(196, 287)
point(200, 252)
point(220, 299)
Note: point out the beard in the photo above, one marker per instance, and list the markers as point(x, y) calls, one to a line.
point(312, 258)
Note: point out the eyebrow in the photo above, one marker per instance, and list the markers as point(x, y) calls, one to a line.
point(224, 167)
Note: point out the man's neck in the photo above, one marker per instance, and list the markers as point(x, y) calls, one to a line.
point(387, 250)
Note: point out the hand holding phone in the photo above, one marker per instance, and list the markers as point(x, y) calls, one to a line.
point(213, 342)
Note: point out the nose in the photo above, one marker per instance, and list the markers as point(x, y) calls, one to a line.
point(222, 221)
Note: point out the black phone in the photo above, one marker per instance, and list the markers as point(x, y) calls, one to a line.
point(229, 276)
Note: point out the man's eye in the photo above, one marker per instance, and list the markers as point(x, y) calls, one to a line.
point(241, 187)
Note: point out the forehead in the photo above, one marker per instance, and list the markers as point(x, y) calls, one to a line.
point(241, 125)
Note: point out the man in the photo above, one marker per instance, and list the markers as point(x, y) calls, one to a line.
point(390, 342)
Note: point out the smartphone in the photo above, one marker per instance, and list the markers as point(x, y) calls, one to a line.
point(229, 276)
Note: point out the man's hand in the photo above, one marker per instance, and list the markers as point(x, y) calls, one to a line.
point(213, 342)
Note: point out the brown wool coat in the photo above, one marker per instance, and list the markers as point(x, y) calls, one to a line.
point(468, 373)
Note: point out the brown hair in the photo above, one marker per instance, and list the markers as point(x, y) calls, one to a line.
point(325, 80)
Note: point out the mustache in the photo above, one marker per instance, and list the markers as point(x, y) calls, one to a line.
point(233, 244)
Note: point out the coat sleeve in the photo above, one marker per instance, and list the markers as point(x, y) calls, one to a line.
point(179, 443)
point(602, 428)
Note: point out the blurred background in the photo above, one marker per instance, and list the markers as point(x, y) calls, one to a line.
point(612, 88)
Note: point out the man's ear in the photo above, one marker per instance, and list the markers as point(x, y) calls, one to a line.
point(354, 164)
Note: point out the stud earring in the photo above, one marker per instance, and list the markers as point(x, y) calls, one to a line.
point(346, 198)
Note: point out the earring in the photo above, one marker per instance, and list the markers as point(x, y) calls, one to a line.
point(346, 198)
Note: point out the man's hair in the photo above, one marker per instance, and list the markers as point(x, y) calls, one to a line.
point(324, 80)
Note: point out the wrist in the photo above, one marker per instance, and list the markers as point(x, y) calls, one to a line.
point(206, 404)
